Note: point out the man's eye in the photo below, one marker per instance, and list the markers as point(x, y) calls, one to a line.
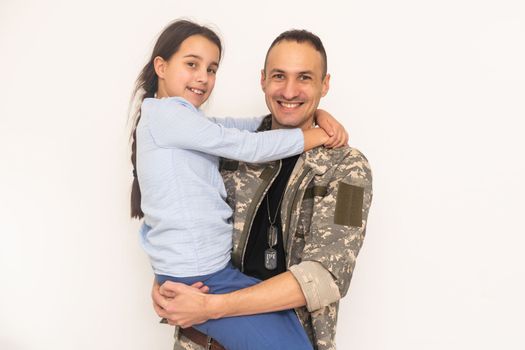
point(305, 77)
point(278, 76)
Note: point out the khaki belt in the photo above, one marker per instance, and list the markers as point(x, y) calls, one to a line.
point(201, 339)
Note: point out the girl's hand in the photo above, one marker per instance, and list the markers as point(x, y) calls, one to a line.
point(334, 129)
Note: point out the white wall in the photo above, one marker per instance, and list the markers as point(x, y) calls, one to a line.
point(431, 91)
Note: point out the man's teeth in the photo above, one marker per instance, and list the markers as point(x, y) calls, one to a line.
point(290, 105)
point(197, 91)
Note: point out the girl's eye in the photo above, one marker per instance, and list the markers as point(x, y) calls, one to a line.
point(191, 64)
point(212, 70)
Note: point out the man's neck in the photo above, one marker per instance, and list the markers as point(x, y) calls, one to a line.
point(308, 124)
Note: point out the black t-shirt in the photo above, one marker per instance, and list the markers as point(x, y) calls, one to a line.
point(258, 241)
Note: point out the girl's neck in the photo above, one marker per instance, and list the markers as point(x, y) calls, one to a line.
point(161, 93)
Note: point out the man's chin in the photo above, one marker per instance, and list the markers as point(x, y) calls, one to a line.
point(290, 120)
point(285, 122)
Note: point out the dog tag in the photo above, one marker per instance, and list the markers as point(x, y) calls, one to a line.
point(270, 259)
point(272, 236)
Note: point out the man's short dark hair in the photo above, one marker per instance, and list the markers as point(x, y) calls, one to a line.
point(301, 36)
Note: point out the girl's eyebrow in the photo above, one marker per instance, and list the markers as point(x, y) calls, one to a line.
point(200, 58)
point(194, 56)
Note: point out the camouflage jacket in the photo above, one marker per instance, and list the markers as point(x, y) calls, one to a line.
point(324, 214)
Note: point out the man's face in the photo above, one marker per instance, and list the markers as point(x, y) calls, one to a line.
point(293, 84)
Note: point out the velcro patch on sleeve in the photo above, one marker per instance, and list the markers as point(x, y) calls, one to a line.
point(349, 205)
point(315, 191)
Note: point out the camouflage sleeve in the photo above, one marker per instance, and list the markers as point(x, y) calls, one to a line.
point(228, 168)
point(339, 224)
point(317, 284)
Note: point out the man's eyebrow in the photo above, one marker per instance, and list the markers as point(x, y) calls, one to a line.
point(277, 70)
point(309, 72)
point(200, 58)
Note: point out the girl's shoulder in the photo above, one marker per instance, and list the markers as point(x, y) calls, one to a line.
point(170, 103)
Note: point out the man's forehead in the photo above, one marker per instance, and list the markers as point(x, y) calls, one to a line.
point(294, 57)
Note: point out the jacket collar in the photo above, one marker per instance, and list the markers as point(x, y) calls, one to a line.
point(319, 159)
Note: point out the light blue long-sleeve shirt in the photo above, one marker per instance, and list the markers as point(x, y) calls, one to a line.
point(187, 229)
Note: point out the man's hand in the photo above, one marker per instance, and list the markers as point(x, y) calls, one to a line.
point(334, 129)
point(180, 304)
point(185, 306)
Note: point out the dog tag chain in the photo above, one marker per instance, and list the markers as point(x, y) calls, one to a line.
point(270, 254)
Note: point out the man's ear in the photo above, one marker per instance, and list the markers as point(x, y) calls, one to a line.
point(326, 85)
point(160, 66)
point(263, 80)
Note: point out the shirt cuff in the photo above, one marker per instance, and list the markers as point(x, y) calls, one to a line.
point(317, 284)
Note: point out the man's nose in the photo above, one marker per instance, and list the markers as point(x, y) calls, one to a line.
point(290, 90)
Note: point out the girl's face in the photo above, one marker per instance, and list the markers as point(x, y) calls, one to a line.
point(190, 72)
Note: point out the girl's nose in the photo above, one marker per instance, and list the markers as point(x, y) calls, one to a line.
point(202, 76)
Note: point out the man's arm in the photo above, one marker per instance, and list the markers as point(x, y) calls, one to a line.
point(280, 292)
point(185, 306)
point(337, 231)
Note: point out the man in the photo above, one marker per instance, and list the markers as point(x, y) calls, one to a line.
point(299, 223)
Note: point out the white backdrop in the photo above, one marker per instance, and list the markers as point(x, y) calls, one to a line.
point(431, 91)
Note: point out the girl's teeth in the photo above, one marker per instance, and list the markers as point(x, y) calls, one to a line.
point(200, 92)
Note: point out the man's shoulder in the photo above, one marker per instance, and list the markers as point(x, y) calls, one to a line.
point(344, 159)
point(348, 154)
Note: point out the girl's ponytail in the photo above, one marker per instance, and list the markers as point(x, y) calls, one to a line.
point(146, 86)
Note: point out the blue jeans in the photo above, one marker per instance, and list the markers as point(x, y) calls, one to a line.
point(276, 330)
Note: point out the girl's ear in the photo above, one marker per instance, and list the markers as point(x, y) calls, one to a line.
point(160, 66)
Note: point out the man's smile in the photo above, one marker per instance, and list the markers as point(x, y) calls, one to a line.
point(289, 105)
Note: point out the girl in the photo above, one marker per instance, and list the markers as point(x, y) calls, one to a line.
point(175, 154)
